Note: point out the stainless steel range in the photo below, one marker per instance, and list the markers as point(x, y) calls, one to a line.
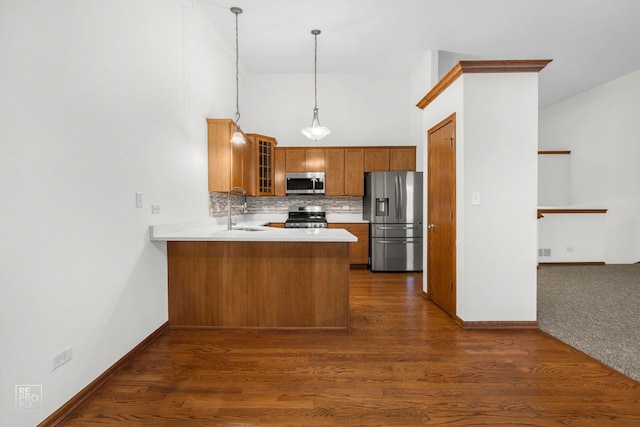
point(306, 217)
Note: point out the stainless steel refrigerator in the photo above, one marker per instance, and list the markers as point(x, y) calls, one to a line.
point(393, 206)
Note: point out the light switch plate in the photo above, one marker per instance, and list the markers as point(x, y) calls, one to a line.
point(475, 198)
point(138, 199)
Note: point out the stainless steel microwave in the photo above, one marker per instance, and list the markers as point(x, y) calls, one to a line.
point(304, 182)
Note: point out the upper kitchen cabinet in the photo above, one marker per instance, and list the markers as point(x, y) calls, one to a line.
point(402, 158)
point(376, 159)
point(230, 165)
point(345, 171)
point(354, 171)
point(279, 184)
point(304, 159)
point(263, 161)
point(381, 159)
point(334, 164)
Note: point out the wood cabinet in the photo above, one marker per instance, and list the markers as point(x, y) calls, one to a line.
point(263, 162)
point(335, 168)
point(376, 159)
point(402, 158)
point(381, 159)
point(353, 171)
point(304, 159)
point(344, 166)
point(358, 251)
point(230, 165)
point(221, 284)
point(279, 167)
point(344, 171)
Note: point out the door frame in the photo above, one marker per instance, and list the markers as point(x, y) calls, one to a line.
point(449, 119)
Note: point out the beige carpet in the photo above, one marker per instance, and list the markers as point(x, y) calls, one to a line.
point(595, 309)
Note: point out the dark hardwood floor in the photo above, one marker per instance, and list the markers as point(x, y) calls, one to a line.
point(402, 363)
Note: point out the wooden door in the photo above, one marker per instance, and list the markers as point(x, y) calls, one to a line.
point(334, 169)
point(441, 215)
point(354, 171)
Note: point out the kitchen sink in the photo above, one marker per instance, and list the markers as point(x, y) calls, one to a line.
point(247, 229)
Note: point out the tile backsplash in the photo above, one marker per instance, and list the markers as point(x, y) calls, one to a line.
point(277, 205)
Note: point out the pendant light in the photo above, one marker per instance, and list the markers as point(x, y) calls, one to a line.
point(238, 136)
point(315, 131)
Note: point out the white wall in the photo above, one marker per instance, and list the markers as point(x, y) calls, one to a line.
point(554, 178)
point(99, 100)
point(572, 237)
point(501, 161)
point(360, 109)
point(601, 128)
point(423, 77)
point(496, 155)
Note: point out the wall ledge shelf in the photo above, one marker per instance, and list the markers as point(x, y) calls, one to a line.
point(542, 211)
point(554, 152)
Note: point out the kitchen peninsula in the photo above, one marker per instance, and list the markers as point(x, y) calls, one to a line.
point(256, 277)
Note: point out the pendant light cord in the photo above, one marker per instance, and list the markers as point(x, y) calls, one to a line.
point(315, 71)
point(237, 74)
point(316, 131)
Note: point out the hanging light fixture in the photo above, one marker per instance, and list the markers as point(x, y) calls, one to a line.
point(315, 131)
point(238, 136)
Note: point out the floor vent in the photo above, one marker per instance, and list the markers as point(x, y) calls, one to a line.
point(544, 252)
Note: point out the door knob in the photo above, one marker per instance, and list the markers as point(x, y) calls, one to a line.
point(431, 226)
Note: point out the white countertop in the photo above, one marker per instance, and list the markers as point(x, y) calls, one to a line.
point(249, 228)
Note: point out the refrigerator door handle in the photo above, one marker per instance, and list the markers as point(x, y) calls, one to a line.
point(398, 198)
point(401, 192)
point(391, 227)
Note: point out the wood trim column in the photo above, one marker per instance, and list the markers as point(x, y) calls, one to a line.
point(503, 66)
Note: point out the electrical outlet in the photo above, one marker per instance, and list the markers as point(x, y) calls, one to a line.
point(571, 248)
point(61, 358)
point(345, 207)
point(155, 209)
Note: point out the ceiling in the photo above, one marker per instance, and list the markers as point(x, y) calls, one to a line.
point(590, 41)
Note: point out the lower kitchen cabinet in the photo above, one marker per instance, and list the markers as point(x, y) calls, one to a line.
point(358, 251)
point(255, 284)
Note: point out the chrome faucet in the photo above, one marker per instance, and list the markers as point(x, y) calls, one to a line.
point(244, 206)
